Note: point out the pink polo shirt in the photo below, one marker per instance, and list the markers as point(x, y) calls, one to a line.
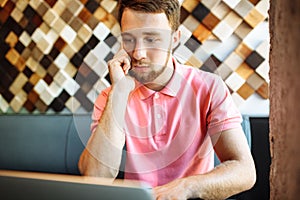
point(168, 132)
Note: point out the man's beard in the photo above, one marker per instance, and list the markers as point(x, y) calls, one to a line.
point(146, 78)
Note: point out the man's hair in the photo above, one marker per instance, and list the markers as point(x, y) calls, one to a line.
point(170, 7)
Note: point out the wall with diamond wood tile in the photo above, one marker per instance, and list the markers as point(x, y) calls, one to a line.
point(53, 54)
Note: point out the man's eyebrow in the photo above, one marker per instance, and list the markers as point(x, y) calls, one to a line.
point(152, 33)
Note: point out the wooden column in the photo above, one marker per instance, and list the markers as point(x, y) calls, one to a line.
point(285, 99)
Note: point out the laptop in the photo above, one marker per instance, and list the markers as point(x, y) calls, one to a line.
point(44, 186)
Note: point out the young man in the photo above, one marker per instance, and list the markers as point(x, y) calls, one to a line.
point(169, 116)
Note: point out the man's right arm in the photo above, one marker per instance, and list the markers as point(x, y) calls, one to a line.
point(103, 152)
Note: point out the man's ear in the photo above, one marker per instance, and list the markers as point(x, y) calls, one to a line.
point(176, 38)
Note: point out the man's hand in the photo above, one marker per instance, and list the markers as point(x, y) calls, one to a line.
point(175, 190)
point(118, 69)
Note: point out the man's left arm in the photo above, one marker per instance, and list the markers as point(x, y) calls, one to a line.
point(235, 174)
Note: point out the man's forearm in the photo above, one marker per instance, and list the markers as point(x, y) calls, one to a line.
point(103, 152)
point(227, 179)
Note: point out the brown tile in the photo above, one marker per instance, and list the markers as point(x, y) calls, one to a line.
point(42, 9)
point(254, 2)
point(41, 106)
point(85, 15)
point(37, 54)
point(29, 106)
point(12, 56)
point(67, 15)
point(34, 79)
point(3, 3)
point(245, 91)
point(263, 90)
point(51, 3)
point(12, 39)
point(201, 33)
point(76, 24)
point(4, 14)
point(244, 70)
point(74, 7)
point(92, 22)
point(33, 96)
point(60, 44)
point(52, 69)
point(26, 53)
point(20, 65)
point(110, 21)
point(243, 50)
point(23, 22)
point(210, 21)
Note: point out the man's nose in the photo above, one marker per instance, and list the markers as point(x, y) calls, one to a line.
point(139, 52)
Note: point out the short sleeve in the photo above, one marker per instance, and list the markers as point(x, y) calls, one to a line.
point(223, 113)
point(99, 106)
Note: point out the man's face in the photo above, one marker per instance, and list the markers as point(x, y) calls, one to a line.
point(147, 39)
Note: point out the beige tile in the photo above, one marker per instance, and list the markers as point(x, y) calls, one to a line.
point(233, 61)
point(191, 23)
point(255, 81)
point(77, 44)
point(18, 83)
point(190, 5)
point(109, 5)
point(3, 104)
point(243, 8)
point(68, 34)
point(59, 7)
point(221, 10)
point(50, 17)
point(58, 25)
point(234, 81)
point(222, 31)
point(223, 71)
point(21, 5)
point(18, 101)
point(263, 90)
point(17, 15)
point(25, 38)
point(263, 7)
point(263, 71)
point(85, 33)
point(254, 17)
point(233, 20)
point(72, 104)
point(75, 6)
point(194, 62)
point(210, 4)
point(232, 3)
point(243, 30)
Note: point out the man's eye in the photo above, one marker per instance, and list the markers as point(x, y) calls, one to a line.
point(128, 40)
point(151, 40)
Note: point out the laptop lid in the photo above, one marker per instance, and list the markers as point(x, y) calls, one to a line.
point(30, 185)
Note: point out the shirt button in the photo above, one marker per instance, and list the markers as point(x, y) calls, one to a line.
point(156, 96)
point(158, 116)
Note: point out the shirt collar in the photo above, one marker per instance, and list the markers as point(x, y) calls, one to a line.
point(171, 89)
